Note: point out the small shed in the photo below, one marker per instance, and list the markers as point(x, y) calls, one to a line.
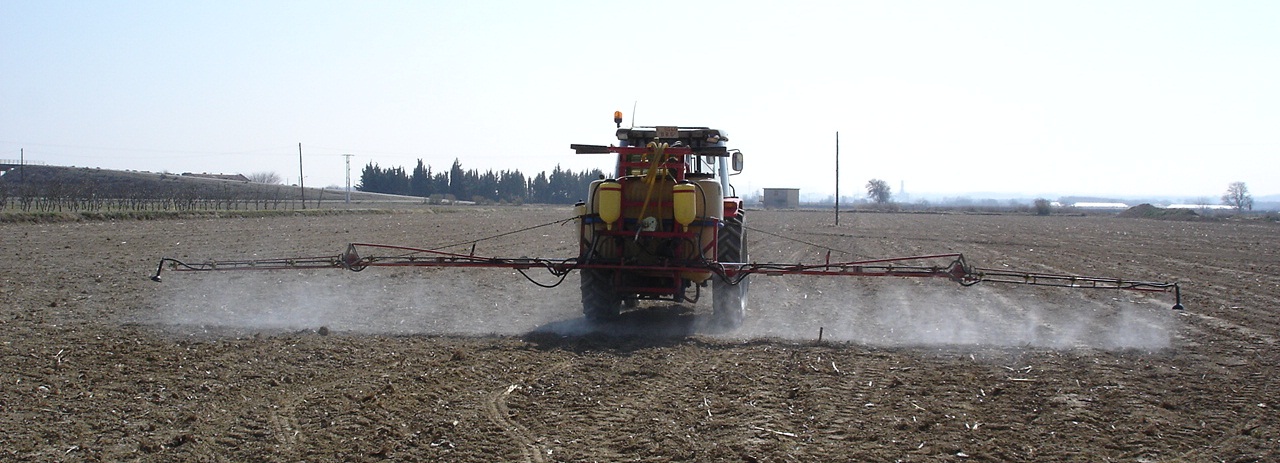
point(781, 198)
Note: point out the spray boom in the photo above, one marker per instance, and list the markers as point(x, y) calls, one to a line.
point(953, 267)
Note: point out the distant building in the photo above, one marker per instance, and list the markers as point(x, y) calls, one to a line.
point(1093, 205)
point(781, 198)
point(234, 177)
point(1200, 206)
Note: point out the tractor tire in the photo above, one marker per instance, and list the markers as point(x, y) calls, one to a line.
point(729, 301)
point(599, 300)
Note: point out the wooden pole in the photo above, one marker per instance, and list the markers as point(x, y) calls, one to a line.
point(348, 156)
point(302, 187)
point(837, 178)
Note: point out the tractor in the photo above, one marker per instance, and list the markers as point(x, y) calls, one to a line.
point(663, 223)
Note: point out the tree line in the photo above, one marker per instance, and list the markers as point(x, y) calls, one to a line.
point(561, 186)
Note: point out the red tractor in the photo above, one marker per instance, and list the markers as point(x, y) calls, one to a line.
point(664, 224)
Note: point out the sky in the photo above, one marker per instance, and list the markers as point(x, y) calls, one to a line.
point(1105, 98)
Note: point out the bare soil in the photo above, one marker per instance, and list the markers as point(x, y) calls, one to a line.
point(100, 364)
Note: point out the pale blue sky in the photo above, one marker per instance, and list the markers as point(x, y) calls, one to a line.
point(1029, 97)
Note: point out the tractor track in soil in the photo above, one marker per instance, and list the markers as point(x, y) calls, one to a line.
point(496, 406)
point(499, 413)
point(475, 365)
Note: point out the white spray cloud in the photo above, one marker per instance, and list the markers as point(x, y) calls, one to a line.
point(902, 312)
point(404, 301)
point(884, 312)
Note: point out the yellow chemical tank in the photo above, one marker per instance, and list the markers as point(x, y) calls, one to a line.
point(708, 208)
point(684, 199)
point(609, 202)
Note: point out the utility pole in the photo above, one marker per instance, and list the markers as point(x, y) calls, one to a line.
point(302, 187)
point(348, 156)
point(837, 178)
point(22, 165)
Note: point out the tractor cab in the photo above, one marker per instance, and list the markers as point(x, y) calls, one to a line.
point(706, 145)
point(692, 153)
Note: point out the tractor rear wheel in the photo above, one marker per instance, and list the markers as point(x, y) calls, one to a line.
point(729, 301)
point(599, 300)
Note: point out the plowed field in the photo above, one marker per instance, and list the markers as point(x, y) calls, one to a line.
point(101, 364)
